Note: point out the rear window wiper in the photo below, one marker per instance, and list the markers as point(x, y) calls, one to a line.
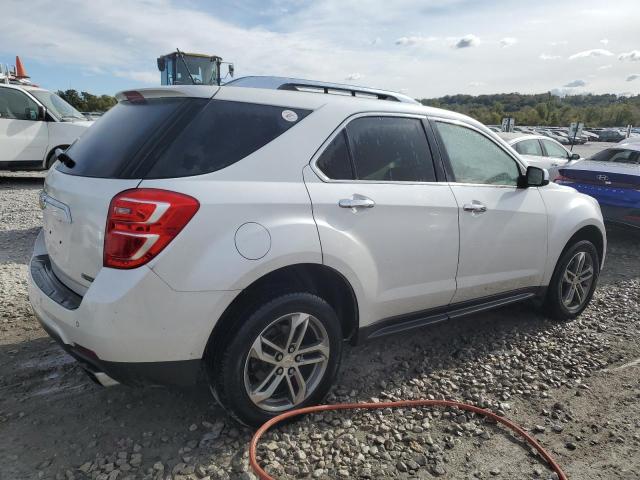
point(65, 159)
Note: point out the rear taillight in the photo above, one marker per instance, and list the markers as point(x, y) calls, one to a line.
point(142, 222)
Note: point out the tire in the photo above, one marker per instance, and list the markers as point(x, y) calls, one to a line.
point(558, 292)
point(242, 381)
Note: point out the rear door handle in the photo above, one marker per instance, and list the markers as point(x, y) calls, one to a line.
point(474, 207)
point(356, 201)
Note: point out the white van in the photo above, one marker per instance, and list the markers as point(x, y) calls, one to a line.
point(33, 123)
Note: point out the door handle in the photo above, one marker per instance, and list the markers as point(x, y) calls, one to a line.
point(357, 201)
point(474, 207)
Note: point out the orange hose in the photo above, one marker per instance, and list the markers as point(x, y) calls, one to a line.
point(401, 404)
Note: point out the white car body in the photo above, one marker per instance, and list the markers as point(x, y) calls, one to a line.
point(29, 142)
point(540, 151)
point(418, 250)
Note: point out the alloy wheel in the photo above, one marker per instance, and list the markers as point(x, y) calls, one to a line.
point(286, 362)
point(576, 281)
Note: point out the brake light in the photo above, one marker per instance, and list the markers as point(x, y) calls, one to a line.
point(134, 96)
point(142, 222)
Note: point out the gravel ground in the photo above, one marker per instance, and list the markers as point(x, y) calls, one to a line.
point(574, 385)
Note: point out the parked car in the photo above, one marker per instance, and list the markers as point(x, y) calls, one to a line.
point(248, 232)
point(33, 123)
point(540, 151)
point(608, 135)
point(612, 177)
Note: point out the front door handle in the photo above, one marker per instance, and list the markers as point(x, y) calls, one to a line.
point(474, 207)
point(356, 201)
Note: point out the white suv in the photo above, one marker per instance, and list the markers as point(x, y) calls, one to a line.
point(34, 122)
point(245, 233)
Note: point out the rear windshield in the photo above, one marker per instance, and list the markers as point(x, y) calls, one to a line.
point(111, 145)
point(168, 138)
point(618, 155)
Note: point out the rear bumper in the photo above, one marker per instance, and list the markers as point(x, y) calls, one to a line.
point(129, 325)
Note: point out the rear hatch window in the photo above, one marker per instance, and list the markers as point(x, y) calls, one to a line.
point(176, 137)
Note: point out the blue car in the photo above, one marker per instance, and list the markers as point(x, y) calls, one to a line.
point(612, 177)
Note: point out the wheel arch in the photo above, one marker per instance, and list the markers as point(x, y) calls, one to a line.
point(319, 279)
point(47, 161)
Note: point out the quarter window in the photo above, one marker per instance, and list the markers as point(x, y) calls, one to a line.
point(16, 105)
point(476, 159)
point(390, 149)
point(529, 147)
point(554, 150)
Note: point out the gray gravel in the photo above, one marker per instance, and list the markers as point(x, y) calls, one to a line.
point(575, 386)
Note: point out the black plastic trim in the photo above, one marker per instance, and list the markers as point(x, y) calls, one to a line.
point(403, 323)
point(21, 165)
point(180, 373)
point(46, 280)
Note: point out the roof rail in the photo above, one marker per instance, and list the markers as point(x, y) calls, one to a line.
point(313, 86)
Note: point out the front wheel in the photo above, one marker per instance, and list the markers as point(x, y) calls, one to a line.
point(574, 281)
point(284, 355)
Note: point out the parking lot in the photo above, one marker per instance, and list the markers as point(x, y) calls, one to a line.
point(574, 385)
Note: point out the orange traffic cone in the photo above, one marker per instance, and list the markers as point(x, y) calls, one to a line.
point(20, 71)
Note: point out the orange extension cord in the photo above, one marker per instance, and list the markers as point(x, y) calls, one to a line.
point(401, 404)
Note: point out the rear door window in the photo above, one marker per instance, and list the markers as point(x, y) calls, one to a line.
point(390, 149)
point(335, 162)
point(220, 135)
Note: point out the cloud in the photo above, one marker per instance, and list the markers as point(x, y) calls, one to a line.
point(558, 43)
point(596, 52)
point(476, 84)
point(575, 84)
point(633, 77)
point(139, 76)
point(604, 41)
point(605, 67)
point(467, 41)
point(508, 41)
point(632, 56)
point(414, 40)
point(544, 56)
point(353, 76)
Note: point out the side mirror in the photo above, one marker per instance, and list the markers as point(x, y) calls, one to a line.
point(231, 69)
point(535, 177)
point(42, 113)
point(574, 156)
point(162, 64)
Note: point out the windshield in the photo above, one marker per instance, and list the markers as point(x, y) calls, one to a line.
point(203, 71)
point(57, 106)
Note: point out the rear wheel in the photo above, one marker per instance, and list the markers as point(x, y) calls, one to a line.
point(285, 355)
point(574, 281)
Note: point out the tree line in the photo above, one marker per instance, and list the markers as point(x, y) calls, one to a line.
point(87, 102)
point(606, 110)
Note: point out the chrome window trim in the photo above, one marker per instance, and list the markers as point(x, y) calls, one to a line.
point(460, 123)
point(340, 128)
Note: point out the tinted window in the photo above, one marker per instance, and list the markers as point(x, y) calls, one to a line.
point(16, 105)
point(476, 159)
point(221, 134)
point(529, 147)
point(334, 161)
point(554, 150)
point(390, 148)
point(618, 155)
point(112, 147)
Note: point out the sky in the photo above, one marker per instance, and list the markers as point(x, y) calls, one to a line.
point(424, 48)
